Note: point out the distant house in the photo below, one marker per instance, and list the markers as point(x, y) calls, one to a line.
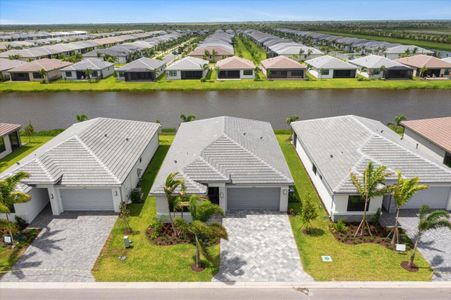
point(432, 136)
point(38, 70)
point(332, 148)
point(433, 67)
point(9, 138)
point(282, 67)
point(375, 67)
point(97, 67)
point(403, 50)
point(330, 67)
point(187, 68)
point(122, 54)
point(212, 53)
point(143, 69)
point(6, 65)
point(235, 68)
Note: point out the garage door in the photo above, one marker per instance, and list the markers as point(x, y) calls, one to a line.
point(434, 197)
point(253, 198)
point(87, 199)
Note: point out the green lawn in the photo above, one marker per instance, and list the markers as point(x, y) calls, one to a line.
point(23, 151)
point(246, 48)
point(111, 84)
point(367, 262)
point(147, 262)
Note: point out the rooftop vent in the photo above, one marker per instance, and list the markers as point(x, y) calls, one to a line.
point(127, 139)
point(105, 135)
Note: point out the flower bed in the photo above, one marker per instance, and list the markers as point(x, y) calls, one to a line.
point(163, 235)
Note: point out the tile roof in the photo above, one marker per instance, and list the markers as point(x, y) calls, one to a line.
point(344, 144)
point(376, 61)
point(6, 64)
point(97, 152)
point(329, 62)
point(421, 60)
point(88, 63)
point(188, 63)
point(6, 128)
point(281, 62)
point(48, 64)
point(400, 49)
point(224, 149)
point(234, 63)
point(436, 130)
point(142, 65)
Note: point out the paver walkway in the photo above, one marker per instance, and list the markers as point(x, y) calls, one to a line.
point(435, 245)
point(66, 248)
point(261, 247)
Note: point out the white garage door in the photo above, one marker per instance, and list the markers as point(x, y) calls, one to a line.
point(253, 198)
point(87, 199)
point(434, 197)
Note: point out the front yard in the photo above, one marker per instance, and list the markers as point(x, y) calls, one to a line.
point(364, 262)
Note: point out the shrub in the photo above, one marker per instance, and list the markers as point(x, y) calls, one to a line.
point(135, 196)
point(157, 226)
point(21, 223)
point(168, 130)
point(340, 226)
point(6, 226)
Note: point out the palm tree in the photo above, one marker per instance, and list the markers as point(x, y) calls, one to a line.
point(402, 191)
point(291, 119)
point(372, 185)
point(399, 118)
point(81, 118)
point(428, 220)
point(171, 185)
point(10, 196)
point(201, 212)
point(43, 75)
point(214, 53)
point(29, 131)
point(187, 118)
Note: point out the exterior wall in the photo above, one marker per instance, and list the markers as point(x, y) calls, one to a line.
point(8, 149)
point(436, 197)
point(29, 210)
point(6, 76)
point(105, 73)
point(178, 75)
point(317, 73)
point(341, 204)
point(424, 145)
point(366, 73)
point(242, 76)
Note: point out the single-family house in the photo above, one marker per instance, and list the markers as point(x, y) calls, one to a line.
point(143, 69)
point(399, 51)
point(236, 162)
point(187, 68)
point(327, 66)
point(38, 70)
point(88, 68)
point(235, 68)
point(332, 148)
point(376, 67)
point(282, 67)
point(431, 135)
point(427, 66)
point(9, 138)
point(91, 166)
point(212, 52)
point(6, 65)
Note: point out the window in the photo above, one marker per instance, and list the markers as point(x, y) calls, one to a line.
point(324, 71)
point(376, 71)
point(68, 74)
point(314, 169)
point(2, 145)
point(37, 75)
point(172, 73)
point(248, 72)
point(356, 203)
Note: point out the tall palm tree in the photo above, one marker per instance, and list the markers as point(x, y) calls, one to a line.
point(402, 191)
point(81, 117)
point(371, 185)
point(187, 118)
point(170, 186)
point(429, 220)
point(10, 196)
point(291, 119)
point(202, 210)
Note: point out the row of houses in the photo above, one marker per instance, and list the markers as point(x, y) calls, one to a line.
point(363, 46)
point(95, 165)
point(217, 46)
point(277, 46)
point(38, 35)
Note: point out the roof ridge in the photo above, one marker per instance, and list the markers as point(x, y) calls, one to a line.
point(39, 162)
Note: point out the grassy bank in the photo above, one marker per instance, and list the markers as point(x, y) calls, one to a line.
point(113, 85)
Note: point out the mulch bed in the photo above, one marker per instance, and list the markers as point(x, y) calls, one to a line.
point(405, 265)
point(166, 236)
point(379, 236)
point(196, 268)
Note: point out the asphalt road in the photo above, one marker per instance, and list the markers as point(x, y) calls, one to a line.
point(226, 293)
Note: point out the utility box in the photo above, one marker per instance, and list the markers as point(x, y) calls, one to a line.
point(127, 242)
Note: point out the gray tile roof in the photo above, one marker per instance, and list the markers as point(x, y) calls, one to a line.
point(376, 61)
point(188, 63)
point(89, 63)
point(329, 62)
point(339, 145)
point(224, 149)
point(97, 152)
point(142, 65)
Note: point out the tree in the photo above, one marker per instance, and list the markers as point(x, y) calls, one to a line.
point(428, 220)
point(308, 214)
point(170, 187)
point(402, 192)
point(10, 196)
point(203, 231)
point(187, 118)
point(124, 215)
point(399, 118)
point(206, 55)
point(88, 73)
point(43, 74)
point(214, 55)
point(371, 185)
point(81, 117)
point(291, 119)
point(29, 131)
point(382, 71)
point(423, 71)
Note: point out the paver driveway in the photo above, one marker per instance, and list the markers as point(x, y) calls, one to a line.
point(261, 247)
point(66, 248)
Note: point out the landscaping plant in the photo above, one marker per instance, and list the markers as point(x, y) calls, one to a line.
point(29, 131)
point(291, 119)
point(170, 187)
point(308, 214)
point(124, 215)
point(81, 117)
point(187, 118)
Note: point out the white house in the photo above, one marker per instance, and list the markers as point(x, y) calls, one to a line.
point(332, 148)
point(236, 162)
point(327, 66)
point(79, 71)
point(377, 67)
point(9, 138)
point(235, 68)
point(142, 69)
point(187, 68)
point(399, 51)
point(91, 166)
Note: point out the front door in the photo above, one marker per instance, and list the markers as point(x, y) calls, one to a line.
point(213, 194)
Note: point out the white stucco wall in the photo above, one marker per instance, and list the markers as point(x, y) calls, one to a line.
point(341, 206)
point(317, 74)
point(8, 148)
point(242, 76)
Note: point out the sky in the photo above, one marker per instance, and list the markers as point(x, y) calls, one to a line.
point(158, 11)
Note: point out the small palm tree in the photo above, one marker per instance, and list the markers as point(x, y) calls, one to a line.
point(171, 185)
point(428, 220)
point(203, 231)
point(29, 131)
point(291, 119)
point(187, 118)
point(10, 196)
point(399, 118)
point(371, 185)
point(402, 192)
point(81, 117)
point(43, 74)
